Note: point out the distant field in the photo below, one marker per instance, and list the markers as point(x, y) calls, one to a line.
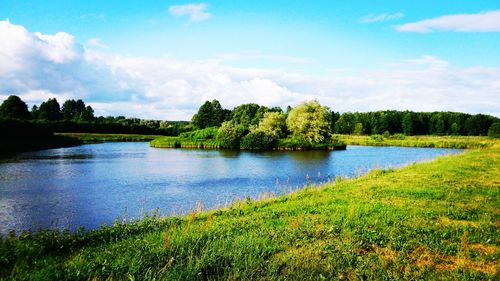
point(96, 138)
point(434, 220)
point(419, 141)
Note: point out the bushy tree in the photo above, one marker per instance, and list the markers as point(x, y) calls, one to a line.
point(274, 124)
point(50, 110)
point(407, 124)
point(230, 134)
point(14, 107)
point(210, 114)
point(494, 130)
point(345, 124)
point(358, 129)
point(309, 120)
point(259, 140)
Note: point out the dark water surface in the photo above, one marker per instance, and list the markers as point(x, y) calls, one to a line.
point(93, 184)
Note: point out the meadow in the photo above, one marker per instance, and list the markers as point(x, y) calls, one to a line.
point(97, 138)
point(433, 220)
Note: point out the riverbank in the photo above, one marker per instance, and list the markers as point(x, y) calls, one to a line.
point(31, 143)
point(98, 138)
point(419, 141)
point(283, 144)
point(434, 220)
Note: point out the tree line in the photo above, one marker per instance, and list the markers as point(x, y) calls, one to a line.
point(358, 123)
point(320, 121)
point(74, 116)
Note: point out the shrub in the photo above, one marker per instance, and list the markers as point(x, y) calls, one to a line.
point(399, 136)
point(229, 135)
point(259, 141)
point(377, 138)
point(494, 130)
point(203, 134)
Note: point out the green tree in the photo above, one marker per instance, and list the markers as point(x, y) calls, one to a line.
point(210, 114)
point(309, 120)
point(345, 124)
point(247, 114)
point(34, 112)
point(407, 124)
point(259, 140)
point(68, 110)
point(494, 130)
point(229, 135)
point(50, 110)
point(455, 129)
point(358, 129)
point(274, 124)
point(87, 114)
point(14, 107)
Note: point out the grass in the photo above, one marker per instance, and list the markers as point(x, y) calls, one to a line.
point(434, 220)
point(97, 138)
point(178, 142)
point(284, 144)
point(419, 141)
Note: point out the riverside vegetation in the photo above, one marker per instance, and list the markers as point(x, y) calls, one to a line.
point(434, 220)
point(308, 125)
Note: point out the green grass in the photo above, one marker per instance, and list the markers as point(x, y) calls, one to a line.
point(177, 142)
point(284, 144)
point(434, 220)
point(97, 138)
point(419, 141)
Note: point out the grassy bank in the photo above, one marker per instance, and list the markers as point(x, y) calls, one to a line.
point(97, 138)
point(419, 141)
point(435, 220)
point(284, 144)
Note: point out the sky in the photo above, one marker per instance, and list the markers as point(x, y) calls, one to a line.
point(162, 59)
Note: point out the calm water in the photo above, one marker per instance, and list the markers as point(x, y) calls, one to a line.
point(93, 184)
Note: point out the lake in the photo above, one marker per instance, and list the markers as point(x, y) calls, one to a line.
point(93, 184)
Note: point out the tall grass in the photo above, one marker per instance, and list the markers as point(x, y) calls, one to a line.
point(419, 141)
point(97, 138)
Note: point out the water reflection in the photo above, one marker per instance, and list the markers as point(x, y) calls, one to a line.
point(93, 184)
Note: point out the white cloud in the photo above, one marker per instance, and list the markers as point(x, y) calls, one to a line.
point(195, 12)
point(481, 22)
point(373, 18)
point(39, 66)
point(97, 42)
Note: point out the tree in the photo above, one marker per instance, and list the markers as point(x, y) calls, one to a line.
point(494, 130)
point(50, 110)
point(309, 120)
point(455, 129)
point(358, 129)
point(259, 140)
point(210, 114)
point(248, 114)
point(407, 124)
point(14, 107)
point(34, 112)
point(274, 124)
point(229, 135)
point(436, 124)
point(69, 110)
point(87, 114)
point(345, 124)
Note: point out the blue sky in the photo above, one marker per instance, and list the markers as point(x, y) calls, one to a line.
point(335, 51)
